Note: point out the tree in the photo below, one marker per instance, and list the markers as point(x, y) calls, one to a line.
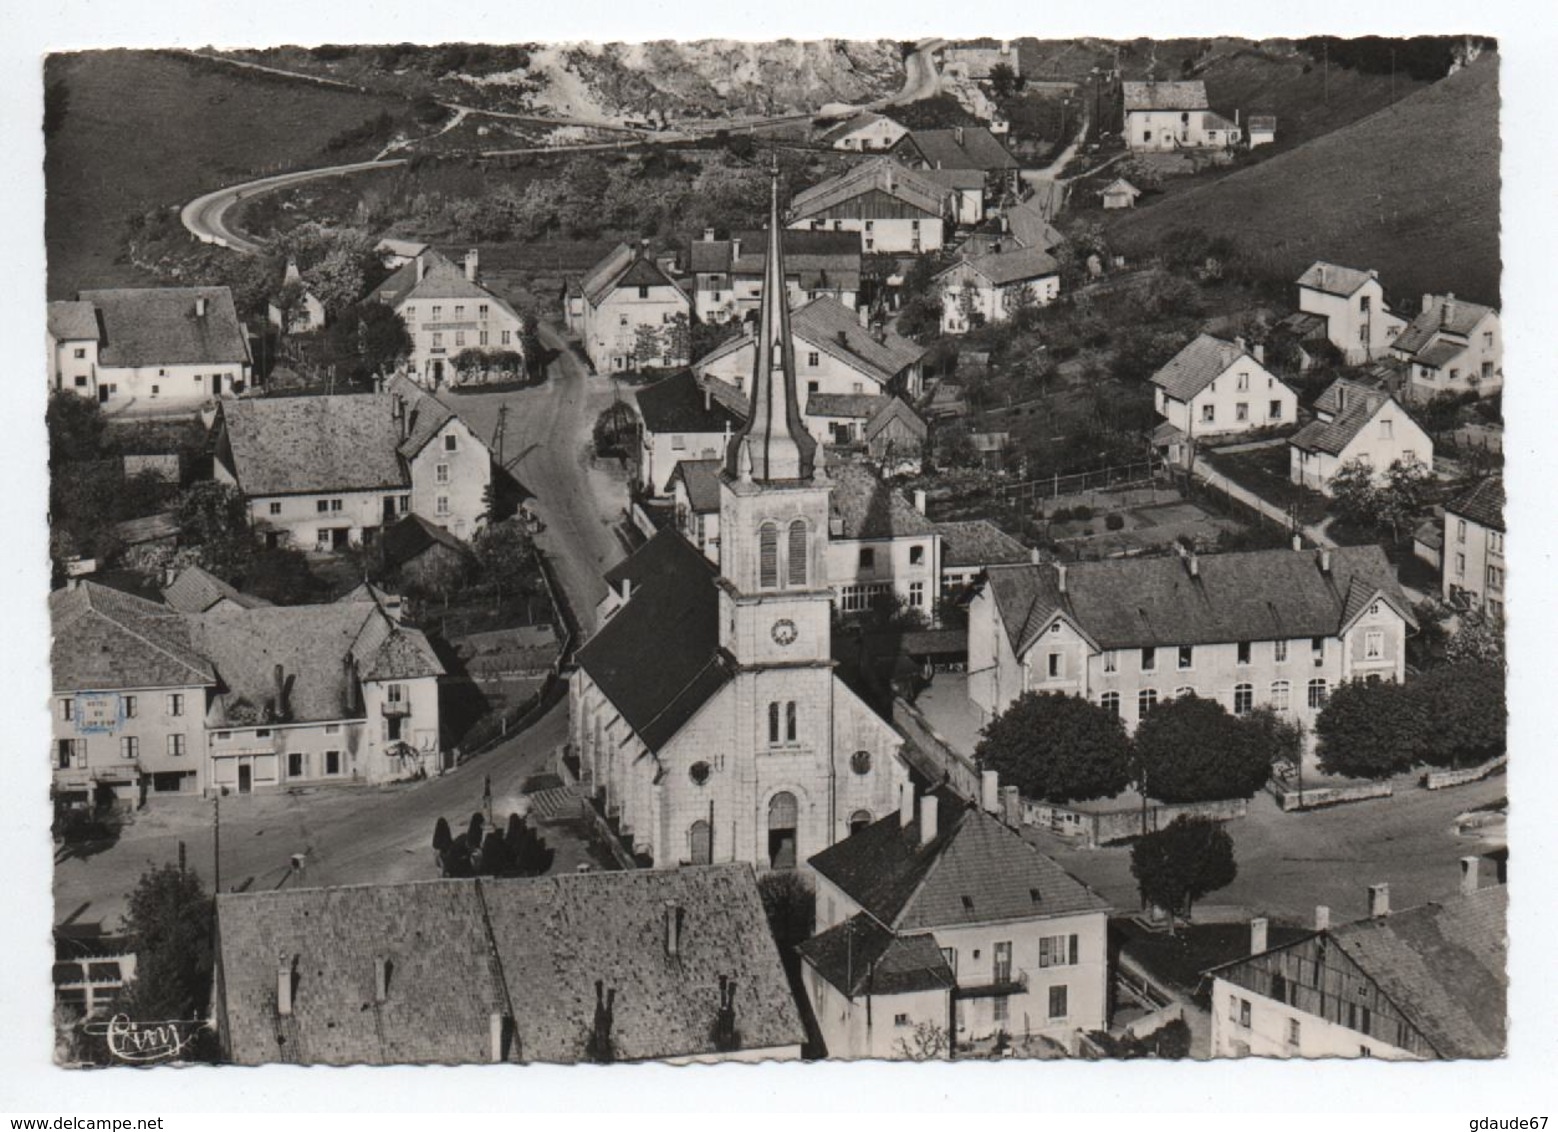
point(366, 339)
point(1003, 80)
point(1370, 730)
point(441, 838)
point(530, 346)
point(1177, 865)
point(75, 425)
point(1403, 494)
point(1479, 637)
point(616, 430)
point(1465, 717)
point(1191, 749)
point(648, 347)
point(926, 1042)
point(1355, 494)
point(169, 925)
point(1058, 748)
point(790, 906)
point(209, 511)
point(504, 554)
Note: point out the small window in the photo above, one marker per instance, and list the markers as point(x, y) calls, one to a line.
point(175, 703)
point(451, 442)
point(1244, 652)
point(1374, 642)
point(1058, 1006)
point(1243, 699)
point(275, 508)
point(67, 710)
point(443, 505)
point(643, 291)
point(176, 745)
point(1241, 411)
point(81, 351)
point(900, 1020)
point(768, 556)
point(1275, 412)
point(917, 595)
point(1187, 656)
point(1110, 702)
point(1054, 666)
point(1149, 659)
point(1318, 694)
point(678, 442)
point(335, 505)
point(1146, 700)
point(1244, 1013)
point(441, 473)
point(295, 764)
point(1111, 661)
point(867, 558)
point(332, 762)
point(1280, 695)
point(129, 747)
point(1208, 414)
point(860, 762)
point(916, 555)
point(131, 706)
point(1387, 429)
point(699, 773)
point(322, 506)
point(813, 359)
point(1279, 651)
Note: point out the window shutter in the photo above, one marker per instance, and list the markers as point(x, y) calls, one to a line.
point(1073, 951)
point(797, 564)
point(768, 555)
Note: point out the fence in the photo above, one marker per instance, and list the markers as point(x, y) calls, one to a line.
point(1317, 796)
point(1052, 487)
point(1097, 827)
point(1440, 779)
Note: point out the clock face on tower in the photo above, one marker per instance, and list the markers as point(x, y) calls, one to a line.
point(784, 631)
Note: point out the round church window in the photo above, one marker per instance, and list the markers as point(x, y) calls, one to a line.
point(860, 762)
point(699, 773)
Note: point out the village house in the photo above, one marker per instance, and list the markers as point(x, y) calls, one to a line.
point(423, 556)
point(895, 209)
point(836, 353)
point(603, 967)
point(397, 253)
point(130, 687)
point(1265, 628)
point(195, 589)
point(728, 274)
point(1352, 302)
point(1214, 387)
point(629, 314)
point(990, 288)
point(307, 313)
point(839, 419)
point(1263, 129)
point(1173, 115)
point(740, 742)
point(695, 503)
point(1028, 225)
point(324, 473)
point(879, 545)
point(149, 349)
point(866, 132)
point(684, 417)
point(969, 547)
point(966, 61)
point(448, 312)
point(1474, 565)
point(1355, 423)
point(1452, 346)
point(339, 692)
point(1425, 983)
point(946, 923)
point(961, 150)
point(1119, 193)
point(895, 437)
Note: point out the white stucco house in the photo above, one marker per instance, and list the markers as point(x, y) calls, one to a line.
point(1355, 423)
point(991, 287)
point(1358, 321)
point(1451, 346)
point(629, 314)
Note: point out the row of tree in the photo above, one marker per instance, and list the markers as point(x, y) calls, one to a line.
point(483, 850)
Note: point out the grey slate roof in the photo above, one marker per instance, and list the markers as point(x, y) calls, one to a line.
point(1032, 230)
point(1333, 280)
point(1247, 596)
point(672, 615)
point(71, 320)
point(975, 871)
point(406, 538)
point(818, 260)
point(859, 956)
point(855, 406)
point(157, 326)
point(624, 266)
point(404, 277)
point(966, 147)
point(1445, 315)
point(106, 639)
point(881, 174)
point(1482, 504)
point(702, 480)
point(978, 542)
point(820, 323)
point(1333, 436)
point(896, 408)
point(531, 951)
point(870, 508)
point(1202, 361)
point(1013, 266)
point(1189, 95)
point(196, 590)
point(293, 445)
point(683, 404)
point(850, 125)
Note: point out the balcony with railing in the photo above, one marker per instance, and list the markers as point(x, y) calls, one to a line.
point(997, 983)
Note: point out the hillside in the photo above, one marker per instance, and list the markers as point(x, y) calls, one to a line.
point(142, 130)
point(1412, 190)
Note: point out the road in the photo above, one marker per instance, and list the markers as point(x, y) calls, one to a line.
point(206, 216)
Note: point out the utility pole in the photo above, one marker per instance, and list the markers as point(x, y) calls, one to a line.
point(216, 845)
point(498, 431)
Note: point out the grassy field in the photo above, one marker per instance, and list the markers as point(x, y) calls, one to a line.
point(143, 131)
point(1411, 190)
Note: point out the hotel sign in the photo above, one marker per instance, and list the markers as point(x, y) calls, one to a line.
point(99, 713)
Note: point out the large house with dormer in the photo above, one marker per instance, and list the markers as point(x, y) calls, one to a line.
point(1214, 387)
point(1265, 628)
point(630, 315)
point(1452, 346)
point(728, 274)
point(324, 473)
point(1352, 302)
point(149, 349)
point(1355, 423)
point(739, 742)
point(895, 209)
point(448, 313)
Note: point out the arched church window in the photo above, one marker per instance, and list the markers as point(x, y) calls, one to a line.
point(699, 773)
point(860, 762)
point(768, 556)
point(699, 847)
point(797, 555)
point(782, 814)
point(789, 722)
point(773, 722)
point(858, 821)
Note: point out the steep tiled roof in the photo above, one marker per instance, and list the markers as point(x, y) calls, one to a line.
point(529, 951)
point(1027, 223)
point(965, 179)
point(1343, 394)
point(106, 639)
point(1334, 280)
point(1443, 966)
point(1217, 122)
point(555, 937)
point(624, 266)
point(965, 147)
point(702, 480)
point(1439, 354)
point(1482, 504)
point(1014, 266)
point(896, 408)
point(881, 174)
point(870, 508)
point(1203, 360)
point(978, 542)
point(824, 320)
point(1304, 327)
point(860, 956)
point(1362, 403)
point(976, 870)
point(850, 125)
point(404, 277)
point(1252, 595)
point(73, 321)
point(1165, 95)
point(409, 537)
point(817, 259)
point(1120, 185)
point(858, 406)
point(672, 615)
point(1444, 315)
point(196, 590)
point(683, 404)
point(283, 445)
point(158, 326)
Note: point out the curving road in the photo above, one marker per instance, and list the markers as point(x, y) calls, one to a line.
point(206, 216)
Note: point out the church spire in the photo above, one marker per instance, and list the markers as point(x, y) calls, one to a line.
point(774, 444)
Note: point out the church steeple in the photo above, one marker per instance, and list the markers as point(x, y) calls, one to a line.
point(775, 444)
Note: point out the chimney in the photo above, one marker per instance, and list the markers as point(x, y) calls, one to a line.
point(292, 275)
point(1379, 900)
point(1298, 541)
point(284, 986)
point(421, 266)
point(1325, 560)
point(1259, 352)
point(1011, 806)
point(957, 134)
point(919, 500)
point(995, 247)
point(927, 819)
point(1322, 917)
point(865, 317)
point(1471, 874)
point(708, 235)
point(843, 338)
point(1236, 116)
point(990, 791)
point(279, 678)
point(200, 306)
point(1449, 307)
point(1239, 343)
point(1428, 302)
point(1373, 273)
point(735, 248)
point(472, 264)
point(708, 398)
point(381, 977)
point(627, 588)
point(906, 805)
point(673, 929)
point(1257, 935)
point(1193, 564)
point(1034, 556)
point(495, 1028)
point(1060, 575)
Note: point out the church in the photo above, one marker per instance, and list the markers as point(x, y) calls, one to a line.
point(706, 714)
